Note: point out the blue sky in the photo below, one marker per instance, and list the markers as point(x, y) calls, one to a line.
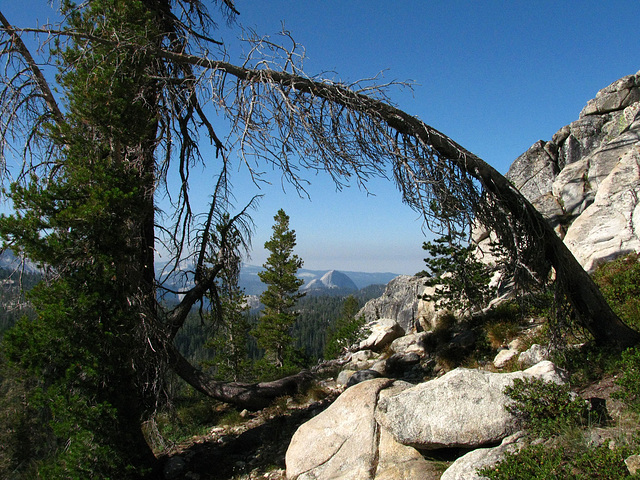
point(496, 76)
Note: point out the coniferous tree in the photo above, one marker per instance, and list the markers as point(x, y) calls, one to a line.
point(273, 331)
point(461, 282)
point(346, 329)
point(86, 223)
point(231, 325)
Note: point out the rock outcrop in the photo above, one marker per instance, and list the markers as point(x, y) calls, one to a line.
point(586, 180)
point(463, 408)
point(401, 303)
point(372, 430)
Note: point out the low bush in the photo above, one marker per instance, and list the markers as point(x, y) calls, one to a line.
point(540, 462)
point(629, 379)
point(545, 408)
point(619, 282)
point(586, 364)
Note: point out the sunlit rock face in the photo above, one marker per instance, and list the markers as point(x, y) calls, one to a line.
point(586, 180)
point(376, 429)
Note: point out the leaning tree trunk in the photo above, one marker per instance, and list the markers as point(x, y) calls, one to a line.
point(252, 396)
point(591, 307)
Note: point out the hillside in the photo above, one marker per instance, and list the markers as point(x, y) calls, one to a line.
point(406, 409)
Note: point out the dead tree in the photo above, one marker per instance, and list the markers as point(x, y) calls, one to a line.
point(277, 115)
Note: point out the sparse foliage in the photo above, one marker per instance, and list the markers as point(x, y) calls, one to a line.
point(546, 407)
point(231, 326)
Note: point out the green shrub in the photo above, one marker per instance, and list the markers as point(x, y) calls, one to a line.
point(545, 408)
point(586, 364)
point(540, 462)
point(629, 379)
point(461, 282)
point(619, 282)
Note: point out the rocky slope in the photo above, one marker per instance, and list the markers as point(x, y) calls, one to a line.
point(586, 181)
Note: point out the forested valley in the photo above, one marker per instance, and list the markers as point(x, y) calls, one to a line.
point(317, 314)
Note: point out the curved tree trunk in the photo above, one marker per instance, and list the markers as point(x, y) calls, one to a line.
point(252, 396)
point(591, 307)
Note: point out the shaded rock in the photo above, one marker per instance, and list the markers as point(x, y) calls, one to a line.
point(534, 354)
point(383, 332)
point(399, 302)
point(465, 467)
point(464, 339)
point(343, 376)
point(174, 468)
point(534, 171)
point(463, 408)
point(399, 362)
point(397, 461)
point(361, 376)
point(342, 441)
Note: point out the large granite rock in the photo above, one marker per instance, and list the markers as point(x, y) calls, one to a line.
point(383, 332)
point(463, 408)
point(466, 467)
point(609, 226)
point(399, 302)
point(397, 461)
point(342, 441)
point(586, 180)
point(376, 429)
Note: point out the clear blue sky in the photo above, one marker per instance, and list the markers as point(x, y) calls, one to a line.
point(496, 76)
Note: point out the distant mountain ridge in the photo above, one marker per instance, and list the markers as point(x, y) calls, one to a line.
point(9, 261)
point(252, 285)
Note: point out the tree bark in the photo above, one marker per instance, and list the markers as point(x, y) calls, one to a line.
point(252, 396)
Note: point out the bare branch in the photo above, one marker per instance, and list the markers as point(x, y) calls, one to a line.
point(43, 85)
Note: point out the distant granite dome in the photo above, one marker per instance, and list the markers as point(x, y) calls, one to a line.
point(332, 280)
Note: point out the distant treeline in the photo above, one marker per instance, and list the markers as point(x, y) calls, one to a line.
point(317, 314)
point(13, 304)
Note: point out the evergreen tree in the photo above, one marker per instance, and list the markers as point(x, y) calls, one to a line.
point(346, 329)
point(273, 331)
point(86, 224)
point(231, 325)
point(460, 280)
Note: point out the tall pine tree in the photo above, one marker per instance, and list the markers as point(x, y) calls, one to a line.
point(87, 223)
point(273, 331)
